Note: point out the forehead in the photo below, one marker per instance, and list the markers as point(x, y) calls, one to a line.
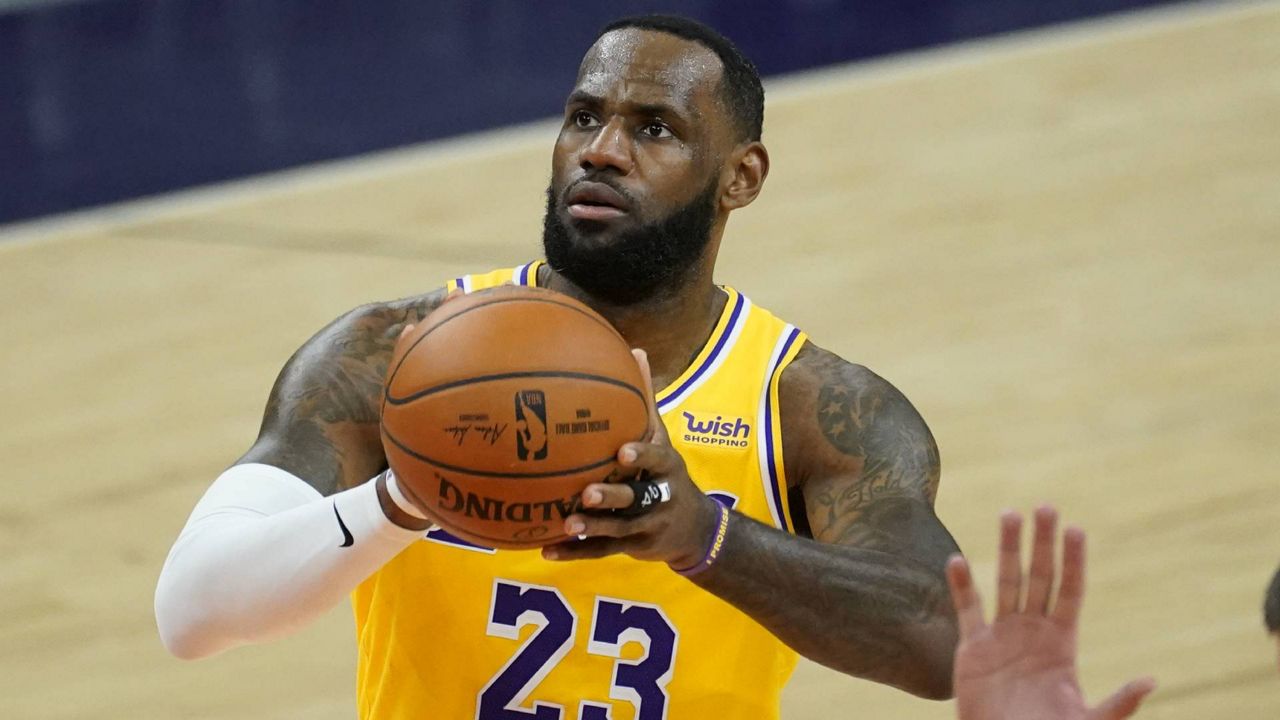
point(646, 66)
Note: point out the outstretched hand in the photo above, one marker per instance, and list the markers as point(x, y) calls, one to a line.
point(1023, 664)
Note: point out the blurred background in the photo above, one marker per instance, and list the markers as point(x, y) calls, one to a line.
point(113, 99)
point(1054, 225)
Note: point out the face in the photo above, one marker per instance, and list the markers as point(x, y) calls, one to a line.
point(636, 172)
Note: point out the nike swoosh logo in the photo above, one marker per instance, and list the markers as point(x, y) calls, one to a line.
point(346, 534)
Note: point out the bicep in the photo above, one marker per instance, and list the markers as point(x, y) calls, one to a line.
point(871, 464)
point(845, 511)
point(880, 466)
point(321, 418)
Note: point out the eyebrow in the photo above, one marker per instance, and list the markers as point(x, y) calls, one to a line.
point(582, 97)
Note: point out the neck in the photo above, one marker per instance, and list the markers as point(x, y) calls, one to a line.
point(671, 326)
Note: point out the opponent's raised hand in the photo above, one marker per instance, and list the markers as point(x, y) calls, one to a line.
point(1023, 664)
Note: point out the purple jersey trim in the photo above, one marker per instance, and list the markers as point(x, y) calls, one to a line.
point(768, 431)
point(711, 357)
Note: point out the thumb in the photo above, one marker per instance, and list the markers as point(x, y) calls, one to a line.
point(658, 430)
point(1125, 701)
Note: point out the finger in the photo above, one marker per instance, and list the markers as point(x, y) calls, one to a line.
point(1125, 701)
point(967, 602)
point(658, 459)
point(605, 525)
point(405, 331)
point(588, 549)
point(1040, 575)
point(1071, 591)
point(658, 432)
point(608, 496)
point(1009, 573)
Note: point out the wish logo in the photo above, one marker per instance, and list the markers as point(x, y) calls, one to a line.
point(716, 431)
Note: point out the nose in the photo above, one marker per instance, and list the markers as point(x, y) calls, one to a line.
point(608, 148)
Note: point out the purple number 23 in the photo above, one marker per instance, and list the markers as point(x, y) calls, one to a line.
point(642, 682)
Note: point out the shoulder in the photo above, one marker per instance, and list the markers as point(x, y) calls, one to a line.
point(816, 368)
point(823, 395)
point(321, 418)
point(839, 417)
point(379, 319)
point(358, 342)
point(367, 332)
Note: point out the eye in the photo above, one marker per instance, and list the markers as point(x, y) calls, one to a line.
point(656, 130)
point(583, 119)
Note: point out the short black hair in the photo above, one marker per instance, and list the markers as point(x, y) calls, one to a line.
point(1271, 605)
point(740, 86)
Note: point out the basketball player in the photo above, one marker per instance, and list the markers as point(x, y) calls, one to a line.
point(796, 488)
point(1023, 664)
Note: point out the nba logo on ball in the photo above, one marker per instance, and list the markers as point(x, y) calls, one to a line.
point(531, 425)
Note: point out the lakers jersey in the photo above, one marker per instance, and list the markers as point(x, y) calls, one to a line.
point(454, 631)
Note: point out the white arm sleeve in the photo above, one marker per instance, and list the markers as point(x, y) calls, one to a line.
point(263, 554)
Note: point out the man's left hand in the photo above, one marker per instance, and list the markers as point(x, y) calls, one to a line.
point(675, 531)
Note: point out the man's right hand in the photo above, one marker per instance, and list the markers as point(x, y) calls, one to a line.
point(1023, 664)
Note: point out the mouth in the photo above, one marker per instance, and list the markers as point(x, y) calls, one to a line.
point(596, 202)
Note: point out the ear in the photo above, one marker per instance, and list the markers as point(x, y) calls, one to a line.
point(747, 169)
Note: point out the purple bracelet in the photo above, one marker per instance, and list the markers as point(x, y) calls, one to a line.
point(713, 550)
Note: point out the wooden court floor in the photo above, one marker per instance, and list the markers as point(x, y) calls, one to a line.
point(1064, 247)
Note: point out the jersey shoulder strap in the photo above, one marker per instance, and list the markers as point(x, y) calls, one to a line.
point(526, 275)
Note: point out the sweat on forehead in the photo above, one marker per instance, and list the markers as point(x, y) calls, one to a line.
point(650, 57)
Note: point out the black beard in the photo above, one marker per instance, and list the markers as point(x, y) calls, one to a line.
point(638, 263)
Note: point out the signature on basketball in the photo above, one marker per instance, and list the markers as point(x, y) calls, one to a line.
point(487, 433)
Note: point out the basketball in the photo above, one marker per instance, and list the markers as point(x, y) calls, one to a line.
point(502, 405)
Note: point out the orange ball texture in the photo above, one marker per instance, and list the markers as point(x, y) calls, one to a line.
point(502, 405)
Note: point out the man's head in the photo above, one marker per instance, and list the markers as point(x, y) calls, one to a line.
point(660, 141)
point(1271, 610)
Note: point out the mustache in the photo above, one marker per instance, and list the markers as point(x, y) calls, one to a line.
point(604, 178)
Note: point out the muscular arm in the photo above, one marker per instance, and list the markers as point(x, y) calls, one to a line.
point(868, 596)
point(262, 554)
point(321, 420)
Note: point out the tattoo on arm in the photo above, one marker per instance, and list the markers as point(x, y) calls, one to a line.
point(885, 461)
point(868, 595)
point(321, 419)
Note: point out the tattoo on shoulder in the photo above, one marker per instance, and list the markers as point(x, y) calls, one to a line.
point(321, 419)
point(891, 459)
point(880, 426)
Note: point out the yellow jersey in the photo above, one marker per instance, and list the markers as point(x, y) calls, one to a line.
point(455, 631)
